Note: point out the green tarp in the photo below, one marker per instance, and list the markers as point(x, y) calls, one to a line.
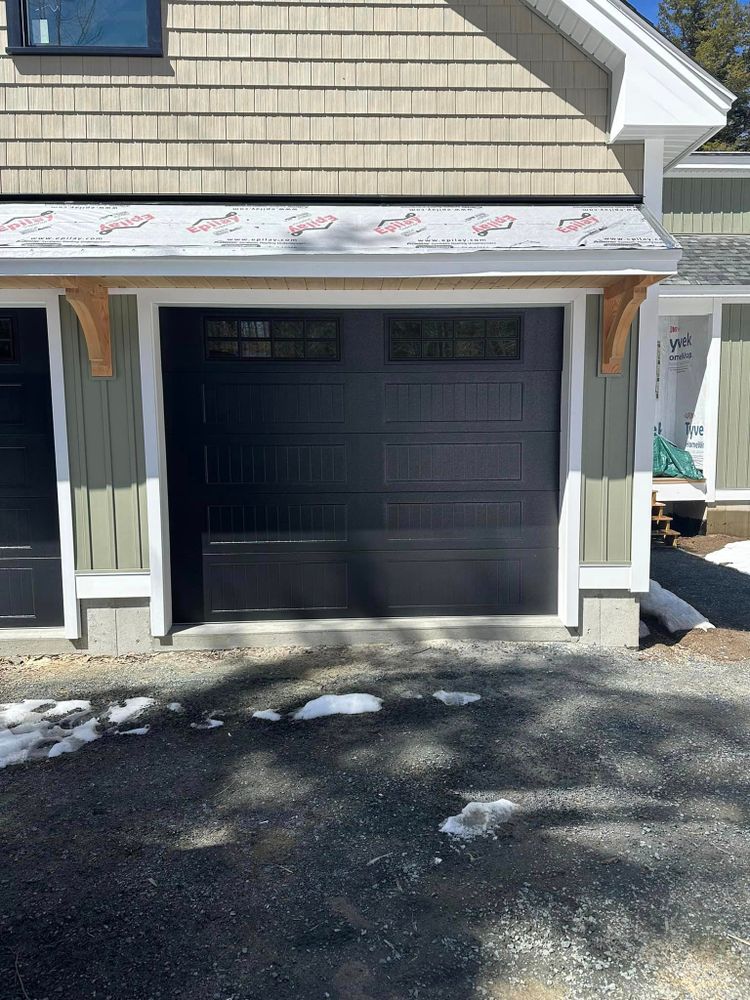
point(671, 461)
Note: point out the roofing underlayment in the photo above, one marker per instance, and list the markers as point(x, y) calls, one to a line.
point(56, 231)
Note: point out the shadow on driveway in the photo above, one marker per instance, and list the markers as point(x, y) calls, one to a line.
point(303, 860)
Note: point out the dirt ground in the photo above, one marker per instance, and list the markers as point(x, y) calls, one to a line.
point(720, 593)
point(303, 860)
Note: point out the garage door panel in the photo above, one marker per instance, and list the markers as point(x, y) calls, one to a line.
point(450, 462)
point(364, 487)
point(456, 401)
point(30, 575)
point(373, 462)
point(507, 581)
point(379, 521)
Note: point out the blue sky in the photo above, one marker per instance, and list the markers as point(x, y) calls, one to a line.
point(647, 7)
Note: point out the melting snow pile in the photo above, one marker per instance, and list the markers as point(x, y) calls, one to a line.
point(268, 714)
point(208, 722)
point(736, 555)
point(478, 818)
point(28, 732)
point(130, 709)
point(339, 704)
point(456, 697)
point(675, 614)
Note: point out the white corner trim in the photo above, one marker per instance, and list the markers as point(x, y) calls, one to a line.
point(653, 176)
point(645, 411)
point(149, 346)
point(713, 383)
point(71, 616)
point(571, 449)
point(50, 302)
point(113, 585)
point(605, 576)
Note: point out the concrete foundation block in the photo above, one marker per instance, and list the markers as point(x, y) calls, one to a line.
point(609, 618)
point(114, 627)
point(732, 519)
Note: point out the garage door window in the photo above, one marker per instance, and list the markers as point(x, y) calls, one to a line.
point(254, 338)
point(444, 338)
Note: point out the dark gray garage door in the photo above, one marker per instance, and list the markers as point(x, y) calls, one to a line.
point(30, 578)
point(326, 464)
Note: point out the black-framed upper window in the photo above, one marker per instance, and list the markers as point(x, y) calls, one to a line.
point(252, 338)
point(128, 27)
point(7, 340)
point(458, 338)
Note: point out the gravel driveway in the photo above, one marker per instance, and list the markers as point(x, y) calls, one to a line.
point(303, 859)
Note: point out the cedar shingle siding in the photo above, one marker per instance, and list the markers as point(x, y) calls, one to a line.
point(368, 97)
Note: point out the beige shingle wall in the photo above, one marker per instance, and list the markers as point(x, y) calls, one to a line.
point(311, 97)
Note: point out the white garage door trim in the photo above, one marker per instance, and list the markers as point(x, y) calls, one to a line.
point(149, 301)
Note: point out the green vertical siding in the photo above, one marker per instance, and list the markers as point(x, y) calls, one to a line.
point(105, 432)
point(707, 204)
point(608, 449)
point(733, 459)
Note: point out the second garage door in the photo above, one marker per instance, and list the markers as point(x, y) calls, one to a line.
point(337, 464)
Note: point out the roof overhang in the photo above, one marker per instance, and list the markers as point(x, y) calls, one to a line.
point(657, 91)
point(263, 240)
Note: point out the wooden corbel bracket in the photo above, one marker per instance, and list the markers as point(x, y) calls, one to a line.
point(622, 299)
point(90, 301)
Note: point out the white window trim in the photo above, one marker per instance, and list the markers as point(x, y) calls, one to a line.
point(49, 301)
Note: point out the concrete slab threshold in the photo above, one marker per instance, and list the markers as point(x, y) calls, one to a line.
point(34, 642)
point(356, 631)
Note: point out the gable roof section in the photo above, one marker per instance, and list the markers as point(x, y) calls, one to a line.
point(657, 91)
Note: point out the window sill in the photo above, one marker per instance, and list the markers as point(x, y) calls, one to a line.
point(80, 50)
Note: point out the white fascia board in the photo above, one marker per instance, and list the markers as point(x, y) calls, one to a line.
point(655, 87)
point(728, 293)
point(713, 165)
point(485, 264)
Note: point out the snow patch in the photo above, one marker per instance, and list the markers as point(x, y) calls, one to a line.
point(736, 555)
point(135, 732)
point(456, 697)
point(268, 714)
point(16, 713)
point(26, 732)
point(478, 818)
point(176, 706)
point(67, 708)
point(675, 614)
point(339, 704)
point(86, 732)
point(208, 723)
point(130, 709)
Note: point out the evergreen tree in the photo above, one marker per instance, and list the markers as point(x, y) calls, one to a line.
point(716, 33)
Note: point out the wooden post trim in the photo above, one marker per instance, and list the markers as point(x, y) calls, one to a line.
point(90, 301)
point(622, 299)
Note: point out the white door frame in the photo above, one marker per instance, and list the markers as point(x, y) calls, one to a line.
point(572, 300)
point(49, 300)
